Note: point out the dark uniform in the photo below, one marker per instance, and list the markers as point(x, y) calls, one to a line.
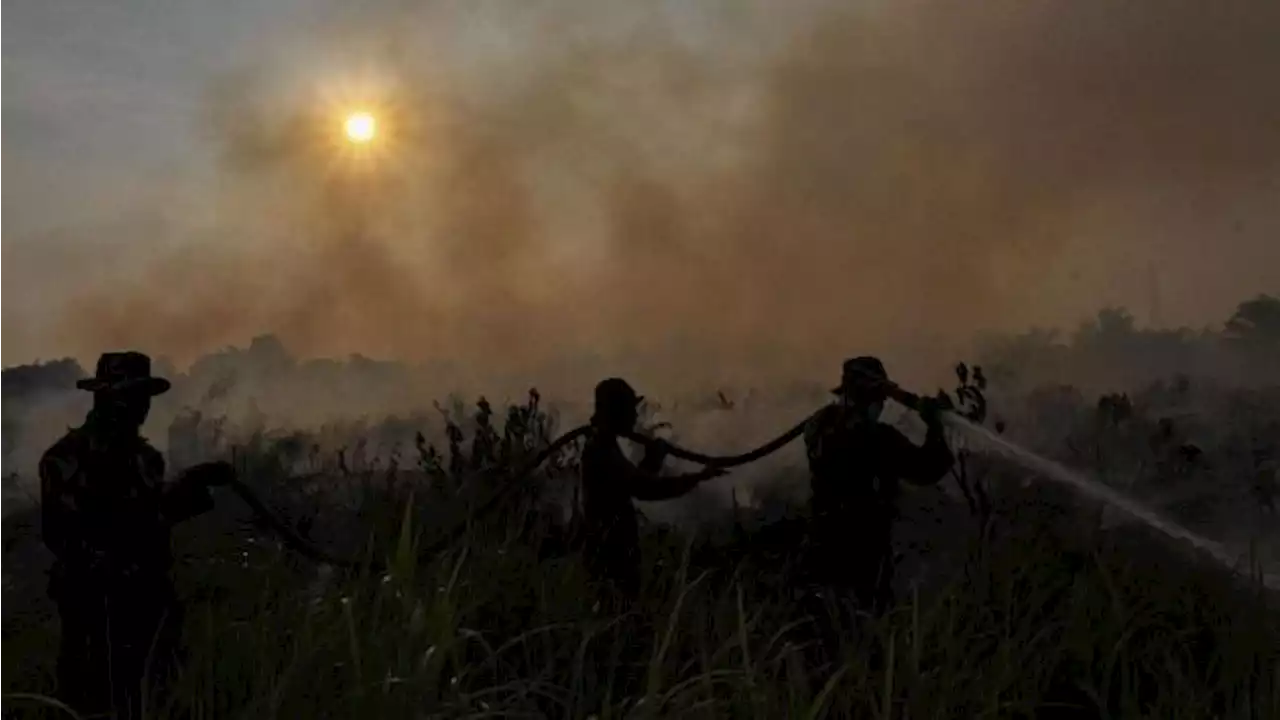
point(856, 463)
point(610, 482)
point(107, 514)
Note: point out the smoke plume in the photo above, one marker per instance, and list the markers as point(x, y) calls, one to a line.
point(720, 190)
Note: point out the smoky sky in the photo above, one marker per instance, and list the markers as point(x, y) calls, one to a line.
point(754, 188)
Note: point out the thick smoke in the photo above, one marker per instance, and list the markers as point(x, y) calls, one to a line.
point(715, 193)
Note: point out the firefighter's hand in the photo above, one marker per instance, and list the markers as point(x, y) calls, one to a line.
point(711, 472)
point(657, 448)
point(930, 410)
point(212, 474)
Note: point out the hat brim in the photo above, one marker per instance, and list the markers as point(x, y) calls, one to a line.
point(146, 386)
point(874, 388)
point(621, 402)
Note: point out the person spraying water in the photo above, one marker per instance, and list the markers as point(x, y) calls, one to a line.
point(1077, 482)
point(856, 463)
point(871, 381)
point(1044, 467)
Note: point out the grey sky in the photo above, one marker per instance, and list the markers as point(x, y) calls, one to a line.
point(100, 98)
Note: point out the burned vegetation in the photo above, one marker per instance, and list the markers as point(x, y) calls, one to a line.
point(449, 577)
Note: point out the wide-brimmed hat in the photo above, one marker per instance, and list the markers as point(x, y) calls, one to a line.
point(861, 372)
point(616, 393)
point(124, 372)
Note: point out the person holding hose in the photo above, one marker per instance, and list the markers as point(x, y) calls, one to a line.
point(610, 482)
point(107, 515)
point(856, 462)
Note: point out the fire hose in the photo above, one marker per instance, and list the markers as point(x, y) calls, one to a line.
point(907, 399)
point(306, 548)
point(291, 539)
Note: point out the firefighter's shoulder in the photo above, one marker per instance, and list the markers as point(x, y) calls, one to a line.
point(64, 456)
point(822, 421)
point(151, 461)
point(70, 446)
point(148, 451)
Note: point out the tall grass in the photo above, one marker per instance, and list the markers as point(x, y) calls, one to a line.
point(488, 628)
point(504, 622)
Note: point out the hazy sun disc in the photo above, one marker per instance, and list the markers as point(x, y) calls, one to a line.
point(360, 127)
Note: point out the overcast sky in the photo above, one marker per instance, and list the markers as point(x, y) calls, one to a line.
point(772, 180)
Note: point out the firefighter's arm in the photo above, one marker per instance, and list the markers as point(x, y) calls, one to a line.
point(655, 487)
point(59, 509)
point(816, 433)
point(828, 422)
point(655, 453)
point(646, 483)
point(923, 465)
point(188, 496)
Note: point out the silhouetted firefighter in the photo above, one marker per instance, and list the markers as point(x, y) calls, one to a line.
point(856, 462)
point(107, 514)
point(610, 482)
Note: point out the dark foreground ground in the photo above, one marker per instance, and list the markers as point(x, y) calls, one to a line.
point(1024, 619)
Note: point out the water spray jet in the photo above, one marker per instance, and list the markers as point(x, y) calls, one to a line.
point(1098, 491)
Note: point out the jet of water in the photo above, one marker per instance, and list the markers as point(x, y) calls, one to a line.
point(1098, 491)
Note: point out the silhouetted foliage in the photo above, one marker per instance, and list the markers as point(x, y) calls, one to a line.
point(1256, 322)
point(1017, 598)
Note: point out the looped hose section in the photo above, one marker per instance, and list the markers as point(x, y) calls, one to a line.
point(282, 530)
point(559, 443)
point(306, 548)
point(295, 542)
point(729, 460)
point(521, 474)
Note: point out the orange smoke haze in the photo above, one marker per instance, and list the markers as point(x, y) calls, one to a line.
point(723, 191)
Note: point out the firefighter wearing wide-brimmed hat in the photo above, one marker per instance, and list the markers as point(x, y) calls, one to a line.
point(856, 462)
point(610, 482)
point(107, 513)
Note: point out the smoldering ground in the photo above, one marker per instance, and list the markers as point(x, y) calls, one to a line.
point(740, 190)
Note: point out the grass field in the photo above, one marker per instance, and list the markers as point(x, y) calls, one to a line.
point(1014, 617)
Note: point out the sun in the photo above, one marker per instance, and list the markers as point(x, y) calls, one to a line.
point(360, 127)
